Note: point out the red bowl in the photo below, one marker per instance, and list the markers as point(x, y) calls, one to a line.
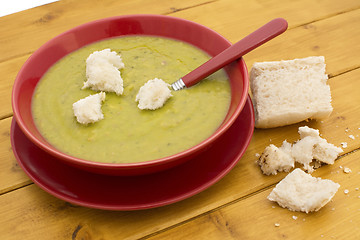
point(163, 26)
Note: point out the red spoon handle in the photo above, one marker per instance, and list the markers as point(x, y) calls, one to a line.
point(235, 51)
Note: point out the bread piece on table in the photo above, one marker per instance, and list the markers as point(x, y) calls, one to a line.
point(287, 92)
point(312, 146)
point(305, 131)
point(274, 159)
point(302, 152)
point(299, 191)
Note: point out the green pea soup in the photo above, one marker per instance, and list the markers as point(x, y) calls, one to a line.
point(128, 134)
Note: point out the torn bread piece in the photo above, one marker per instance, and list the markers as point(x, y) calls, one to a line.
point(311, 146)
point(299, 191)
point(302, 152)
point(102, 72)
point(153, 94)
point(274, 159)
point(290, 91)
point(88, 110)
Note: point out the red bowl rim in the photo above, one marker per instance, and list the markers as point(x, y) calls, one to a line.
point(137, 165)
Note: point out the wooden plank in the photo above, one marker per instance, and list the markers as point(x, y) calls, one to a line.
point(11, 174)
point(255, 216)
point(62, 219)
point(30, 31)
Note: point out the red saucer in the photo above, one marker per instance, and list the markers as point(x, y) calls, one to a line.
point(135, 192)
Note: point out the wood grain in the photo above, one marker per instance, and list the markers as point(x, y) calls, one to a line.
point(31, 212)
point(235, 207)
point(45, 22)
point(318, 38)
point(256, 216)
point(240, 184)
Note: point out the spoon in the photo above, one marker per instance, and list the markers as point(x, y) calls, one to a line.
point(232, 53)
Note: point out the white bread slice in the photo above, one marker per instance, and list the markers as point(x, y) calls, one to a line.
point(287, 92)
point(299, 191)
point(274, 159)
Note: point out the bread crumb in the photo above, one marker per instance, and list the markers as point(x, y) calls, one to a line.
point(102, 72)
point(277, 224)
point(257, 155)
point(153, 94)
point(347, 170)
point(88, 110)
point(357, 189)
point(346, 191)
point(344, 144)
point(299, 191)
point(352, 137)
point(294, 217)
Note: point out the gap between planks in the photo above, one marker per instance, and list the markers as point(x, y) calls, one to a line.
point(9, 115)
point(344, 71)
point(16, 187)
point(325, 17)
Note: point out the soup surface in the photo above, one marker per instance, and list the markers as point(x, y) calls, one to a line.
point(128, 134)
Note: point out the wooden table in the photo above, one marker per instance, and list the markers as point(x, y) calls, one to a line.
point(236, 207)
